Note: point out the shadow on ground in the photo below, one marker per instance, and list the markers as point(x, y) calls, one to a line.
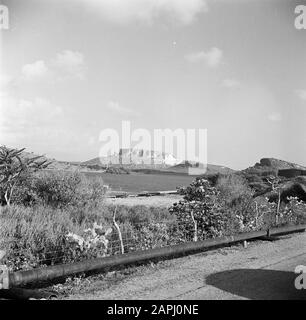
point(258, 284)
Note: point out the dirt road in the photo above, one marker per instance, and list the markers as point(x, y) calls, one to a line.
point(264, 270)
point(154, 201)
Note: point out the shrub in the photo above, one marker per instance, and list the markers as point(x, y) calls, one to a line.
point(208, 211)
point(200, 214)
point(62, 189)
point(152, 235)
point(239, 203)
point(234, 189)
point(294, 212)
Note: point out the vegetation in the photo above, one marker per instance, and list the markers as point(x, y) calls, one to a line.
point(43, 235)
point(56, 217)
point(230, 207)
point(14, 169)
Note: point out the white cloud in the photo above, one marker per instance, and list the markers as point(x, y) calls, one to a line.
point(69, 59)
point(212, 58)
point(230, 83)
point(34, 70)
point(18, 115)
point(275, 117)
point(25, 122)
point(116, 107)
point(301, 94)
point(147, 11)
point(69, 63)
point(41, 126)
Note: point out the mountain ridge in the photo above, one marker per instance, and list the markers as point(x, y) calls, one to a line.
point(265, 166)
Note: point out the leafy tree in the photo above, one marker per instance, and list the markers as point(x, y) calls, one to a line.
point(200, 214)
point(14, 167)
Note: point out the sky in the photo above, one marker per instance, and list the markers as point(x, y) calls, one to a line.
point(72, 68)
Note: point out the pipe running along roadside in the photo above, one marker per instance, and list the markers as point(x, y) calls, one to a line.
point(62, 270)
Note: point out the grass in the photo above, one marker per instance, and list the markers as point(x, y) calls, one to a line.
point(37, 236)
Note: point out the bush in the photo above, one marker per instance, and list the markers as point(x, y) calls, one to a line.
point(200, 214)
point(60, 189)
point(234, 189)
point(239, 203)
point(208, 211)
point(152, 235)
point(294, 212)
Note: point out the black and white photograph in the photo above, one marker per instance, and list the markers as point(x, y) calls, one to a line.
point(152, 153)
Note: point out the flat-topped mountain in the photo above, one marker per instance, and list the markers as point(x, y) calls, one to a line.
point(135, 158)
point(147, 161)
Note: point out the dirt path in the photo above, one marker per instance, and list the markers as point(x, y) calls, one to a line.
point(264, 270)
point(154, 201)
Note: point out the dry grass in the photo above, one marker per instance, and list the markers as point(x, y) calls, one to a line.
point(154, 201)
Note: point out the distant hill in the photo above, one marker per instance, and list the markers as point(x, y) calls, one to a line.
point(258, 175)
point(278, 164)
point(210, 169)
point(54, 164)
point(139, 161)
point(92, 162)
point(270, 166)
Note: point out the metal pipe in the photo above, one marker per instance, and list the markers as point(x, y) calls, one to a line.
point(287, 229)
point(58, 271)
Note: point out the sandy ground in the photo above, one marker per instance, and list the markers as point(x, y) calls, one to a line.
point(264, 270)
point(155, 201)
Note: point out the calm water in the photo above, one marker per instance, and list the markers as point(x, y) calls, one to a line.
point(137, 182)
